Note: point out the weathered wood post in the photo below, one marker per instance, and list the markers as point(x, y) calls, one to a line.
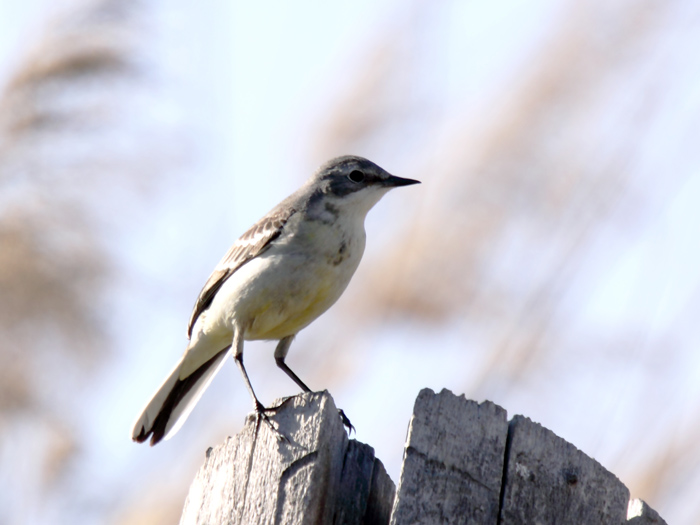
point(463, 463)
point(317, 476)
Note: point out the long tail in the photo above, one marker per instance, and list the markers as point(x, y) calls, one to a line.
point(174, 400)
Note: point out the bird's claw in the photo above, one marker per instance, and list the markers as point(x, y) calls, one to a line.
point(346, 421)
point(260, 415)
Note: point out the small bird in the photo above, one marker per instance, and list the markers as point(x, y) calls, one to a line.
point(277, 278)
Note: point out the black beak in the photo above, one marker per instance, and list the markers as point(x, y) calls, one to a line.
point(394, 181)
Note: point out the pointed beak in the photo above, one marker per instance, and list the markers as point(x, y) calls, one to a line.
point(394, 181)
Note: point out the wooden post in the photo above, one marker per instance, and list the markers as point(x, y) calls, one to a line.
point(453, 461)
point(317, 475)
point(463, 463)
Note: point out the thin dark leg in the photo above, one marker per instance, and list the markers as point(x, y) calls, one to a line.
point(259, 407)
point(280, 363)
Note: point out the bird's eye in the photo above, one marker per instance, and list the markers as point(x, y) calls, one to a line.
point(356, 176)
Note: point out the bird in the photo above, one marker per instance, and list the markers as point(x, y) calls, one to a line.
point(278, 277)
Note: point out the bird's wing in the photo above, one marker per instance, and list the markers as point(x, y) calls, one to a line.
point(251, 244)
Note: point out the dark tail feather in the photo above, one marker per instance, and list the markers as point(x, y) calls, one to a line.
point(181, 398)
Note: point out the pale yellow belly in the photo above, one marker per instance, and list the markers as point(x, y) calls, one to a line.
point(275, 296)
point(279, 317)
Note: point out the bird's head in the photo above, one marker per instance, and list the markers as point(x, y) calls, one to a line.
point(354, 183)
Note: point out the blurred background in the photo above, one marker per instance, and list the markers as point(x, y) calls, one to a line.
point(549, 262)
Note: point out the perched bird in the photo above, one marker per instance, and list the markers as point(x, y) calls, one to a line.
point(277, 278)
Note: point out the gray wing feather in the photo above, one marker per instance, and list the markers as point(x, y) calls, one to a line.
point(251, 244)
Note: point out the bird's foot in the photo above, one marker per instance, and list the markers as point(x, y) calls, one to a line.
point(261, 415)
point(346, 421)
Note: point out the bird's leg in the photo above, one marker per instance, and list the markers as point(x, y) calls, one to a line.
point(280, 354)
point(259, 407)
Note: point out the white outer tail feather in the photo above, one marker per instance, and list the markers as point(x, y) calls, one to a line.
point(183, 409)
